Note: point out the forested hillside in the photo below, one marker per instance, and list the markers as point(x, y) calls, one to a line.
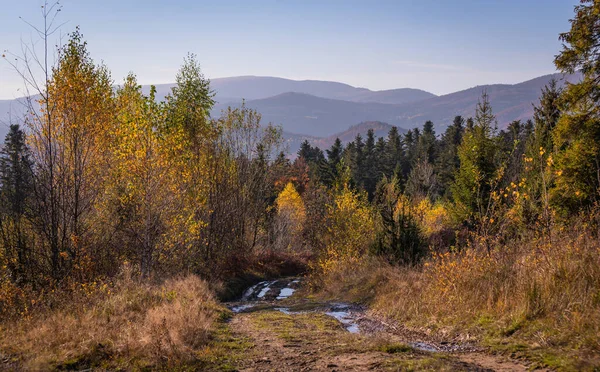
point(127, 220)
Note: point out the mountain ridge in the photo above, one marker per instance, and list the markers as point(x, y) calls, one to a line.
point(311, 115)
point(315, 115)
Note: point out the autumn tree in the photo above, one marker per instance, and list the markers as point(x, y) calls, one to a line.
point(189, 134)
point(291, 215)
point(240, 186)
point(66, 148)
point(350, 225)
point(139, 200)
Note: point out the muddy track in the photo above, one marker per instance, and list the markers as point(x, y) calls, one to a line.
point(289, 332)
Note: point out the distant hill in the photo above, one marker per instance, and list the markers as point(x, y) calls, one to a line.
point(509, 103)
point(234, 89)
point(381, 129)
point(311, 115)
point(322, 108)
point(11, 111)
point(315, 116)
point(394, 96)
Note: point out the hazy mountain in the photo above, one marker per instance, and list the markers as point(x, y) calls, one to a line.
point(315, 116)
point(311, 115)
point(320, 108)
point(381, 129)
point(234, 89)
point(11, 111)
point(509, 102)
point(394, 96)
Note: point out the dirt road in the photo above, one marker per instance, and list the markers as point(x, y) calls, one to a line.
point(274, 329)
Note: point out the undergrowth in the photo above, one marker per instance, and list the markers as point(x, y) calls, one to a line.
point(535, 298)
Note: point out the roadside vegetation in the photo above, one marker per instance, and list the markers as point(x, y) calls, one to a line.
point(124, 217)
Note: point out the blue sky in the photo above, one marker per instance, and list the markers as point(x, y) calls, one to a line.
point(440, 46)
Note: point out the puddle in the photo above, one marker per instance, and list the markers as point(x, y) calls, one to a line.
point(250, 291)
point(271, 290)
point(346, 319)
point(240, 308)
point(339, 306)
point(424, 347)
point(266, 289)
point(287, 311)
point(285, 293)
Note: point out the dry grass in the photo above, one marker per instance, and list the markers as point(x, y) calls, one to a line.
point(536, 298)
point(129, 326)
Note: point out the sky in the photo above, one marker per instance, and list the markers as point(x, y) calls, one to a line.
point(440, 46)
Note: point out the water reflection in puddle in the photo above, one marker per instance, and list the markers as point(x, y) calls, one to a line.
point(424, 347)
point(285, 293)
point(239, 308)
point(346, 319)
point(266, 289)
point(287, 311)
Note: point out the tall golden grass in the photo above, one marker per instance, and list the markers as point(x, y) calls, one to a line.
point(130, 325)
point(542, 295)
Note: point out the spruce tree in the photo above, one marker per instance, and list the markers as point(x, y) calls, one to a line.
point(329, 169)
point(393, 158)
point(15, 190)
point(448, 161)
point(577, 132)
point(426, 144)
point(371, 165)
point(476, 175)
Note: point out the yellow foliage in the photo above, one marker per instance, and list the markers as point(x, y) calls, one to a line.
point(290, 204)
point(432, 218)
point(350, 231)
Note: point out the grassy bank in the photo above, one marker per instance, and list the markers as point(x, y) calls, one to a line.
point(128, 325)
point(533, 299)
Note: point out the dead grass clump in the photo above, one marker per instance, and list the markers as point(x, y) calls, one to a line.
point(352, 280)
point(182, 323)
point(132, 325)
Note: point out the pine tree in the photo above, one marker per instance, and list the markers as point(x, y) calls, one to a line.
point(399, 238)
point(393, 159)
point(577, 132)
point(545, 117)
point(512, 147)
point(448, 161)
point(477, 173)
point(15, 192)
point(315, 159)
point(411, 140)
point(426, 145)
point(357, 162)
point(537, 172)
point(329, 170)
point(371, 165)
